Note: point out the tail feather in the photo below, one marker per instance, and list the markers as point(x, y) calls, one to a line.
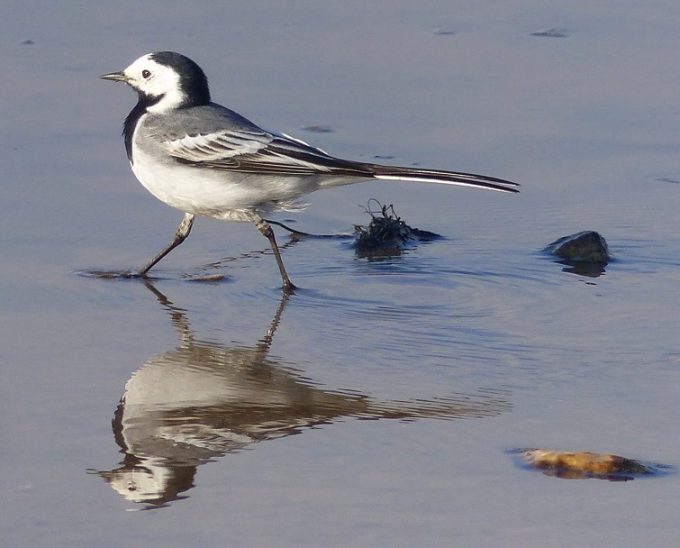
point(391, 173)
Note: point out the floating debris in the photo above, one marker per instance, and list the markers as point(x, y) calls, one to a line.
point(27, 43)
point(551, 33)
point(584, 465)
point(444, 32)
point(386, 234)
point(318, 129)
point(668, 180)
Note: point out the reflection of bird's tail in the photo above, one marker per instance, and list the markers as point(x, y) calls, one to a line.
point(395, 173)
point(485, 403)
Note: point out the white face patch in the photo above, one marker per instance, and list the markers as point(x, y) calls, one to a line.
point(154, 79)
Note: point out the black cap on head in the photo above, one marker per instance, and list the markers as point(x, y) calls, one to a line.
point(192, 78)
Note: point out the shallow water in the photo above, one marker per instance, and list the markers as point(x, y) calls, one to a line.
point(380, 404)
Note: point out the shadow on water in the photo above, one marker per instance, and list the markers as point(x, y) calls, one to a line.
point(201, 400)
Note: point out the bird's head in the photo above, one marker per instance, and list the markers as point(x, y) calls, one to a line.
point(165, 80)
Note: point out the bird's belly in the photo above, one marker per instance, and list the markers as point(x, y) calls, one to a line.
point(218, 193)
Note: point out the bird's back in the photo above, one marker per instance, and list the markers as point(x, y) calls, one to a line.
point(197, 120)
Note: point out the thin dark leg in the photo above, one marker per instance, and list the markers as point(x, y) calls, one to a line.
point(296, 234)
point(266, 230)
point(183, 231)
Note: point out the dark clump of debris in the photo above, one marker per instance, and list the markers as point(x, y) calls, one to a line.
point(586, 252)
point(387, 233)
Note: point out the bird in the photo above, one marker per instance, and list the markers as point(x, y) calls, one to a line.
point(207, 160)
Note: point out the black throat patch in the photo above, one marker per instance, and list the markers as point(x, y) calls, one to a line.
point(136, 113)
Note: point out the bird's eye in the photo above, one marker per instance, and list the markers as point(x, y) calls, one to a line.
point(146, 73)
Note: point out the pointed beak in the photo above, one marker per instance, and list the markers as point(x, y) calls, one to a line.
point(115, 76)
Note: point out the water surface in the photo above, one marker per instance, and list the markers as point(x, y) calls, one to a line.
point(378, 405)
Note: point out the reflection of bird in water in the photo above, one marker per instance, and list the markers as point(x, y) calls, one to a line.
point(202, 400)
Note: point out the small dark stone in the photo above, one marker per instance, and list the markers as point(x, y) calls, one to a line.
point(582, 247)
point(207, 278)
point(585, 464)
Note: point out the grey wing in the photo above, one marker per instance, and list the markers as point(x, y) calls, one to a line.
point(251, 150)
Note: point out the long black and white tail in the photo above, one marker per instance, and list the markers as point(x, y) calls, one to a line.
point(391, 173)
point(287, 154)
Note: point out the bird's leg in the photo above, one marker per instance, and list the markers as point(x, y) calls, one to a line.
point(183, 231)
point(266, 230)
point(294, 234)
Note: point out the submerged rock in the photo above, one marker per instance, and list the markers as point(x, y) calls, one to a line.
point(584, 464)
point(585, 252)
point(387, 233)
point(583, 247)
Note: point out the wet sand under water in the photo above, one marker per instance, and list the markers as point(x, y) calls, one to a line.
point(380, 404)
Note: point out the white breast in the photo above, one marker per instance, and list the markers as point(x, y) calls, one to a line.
point(212, 192)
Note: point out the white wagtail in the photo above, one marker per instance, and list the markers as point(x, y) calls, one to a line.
point(205, 159)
